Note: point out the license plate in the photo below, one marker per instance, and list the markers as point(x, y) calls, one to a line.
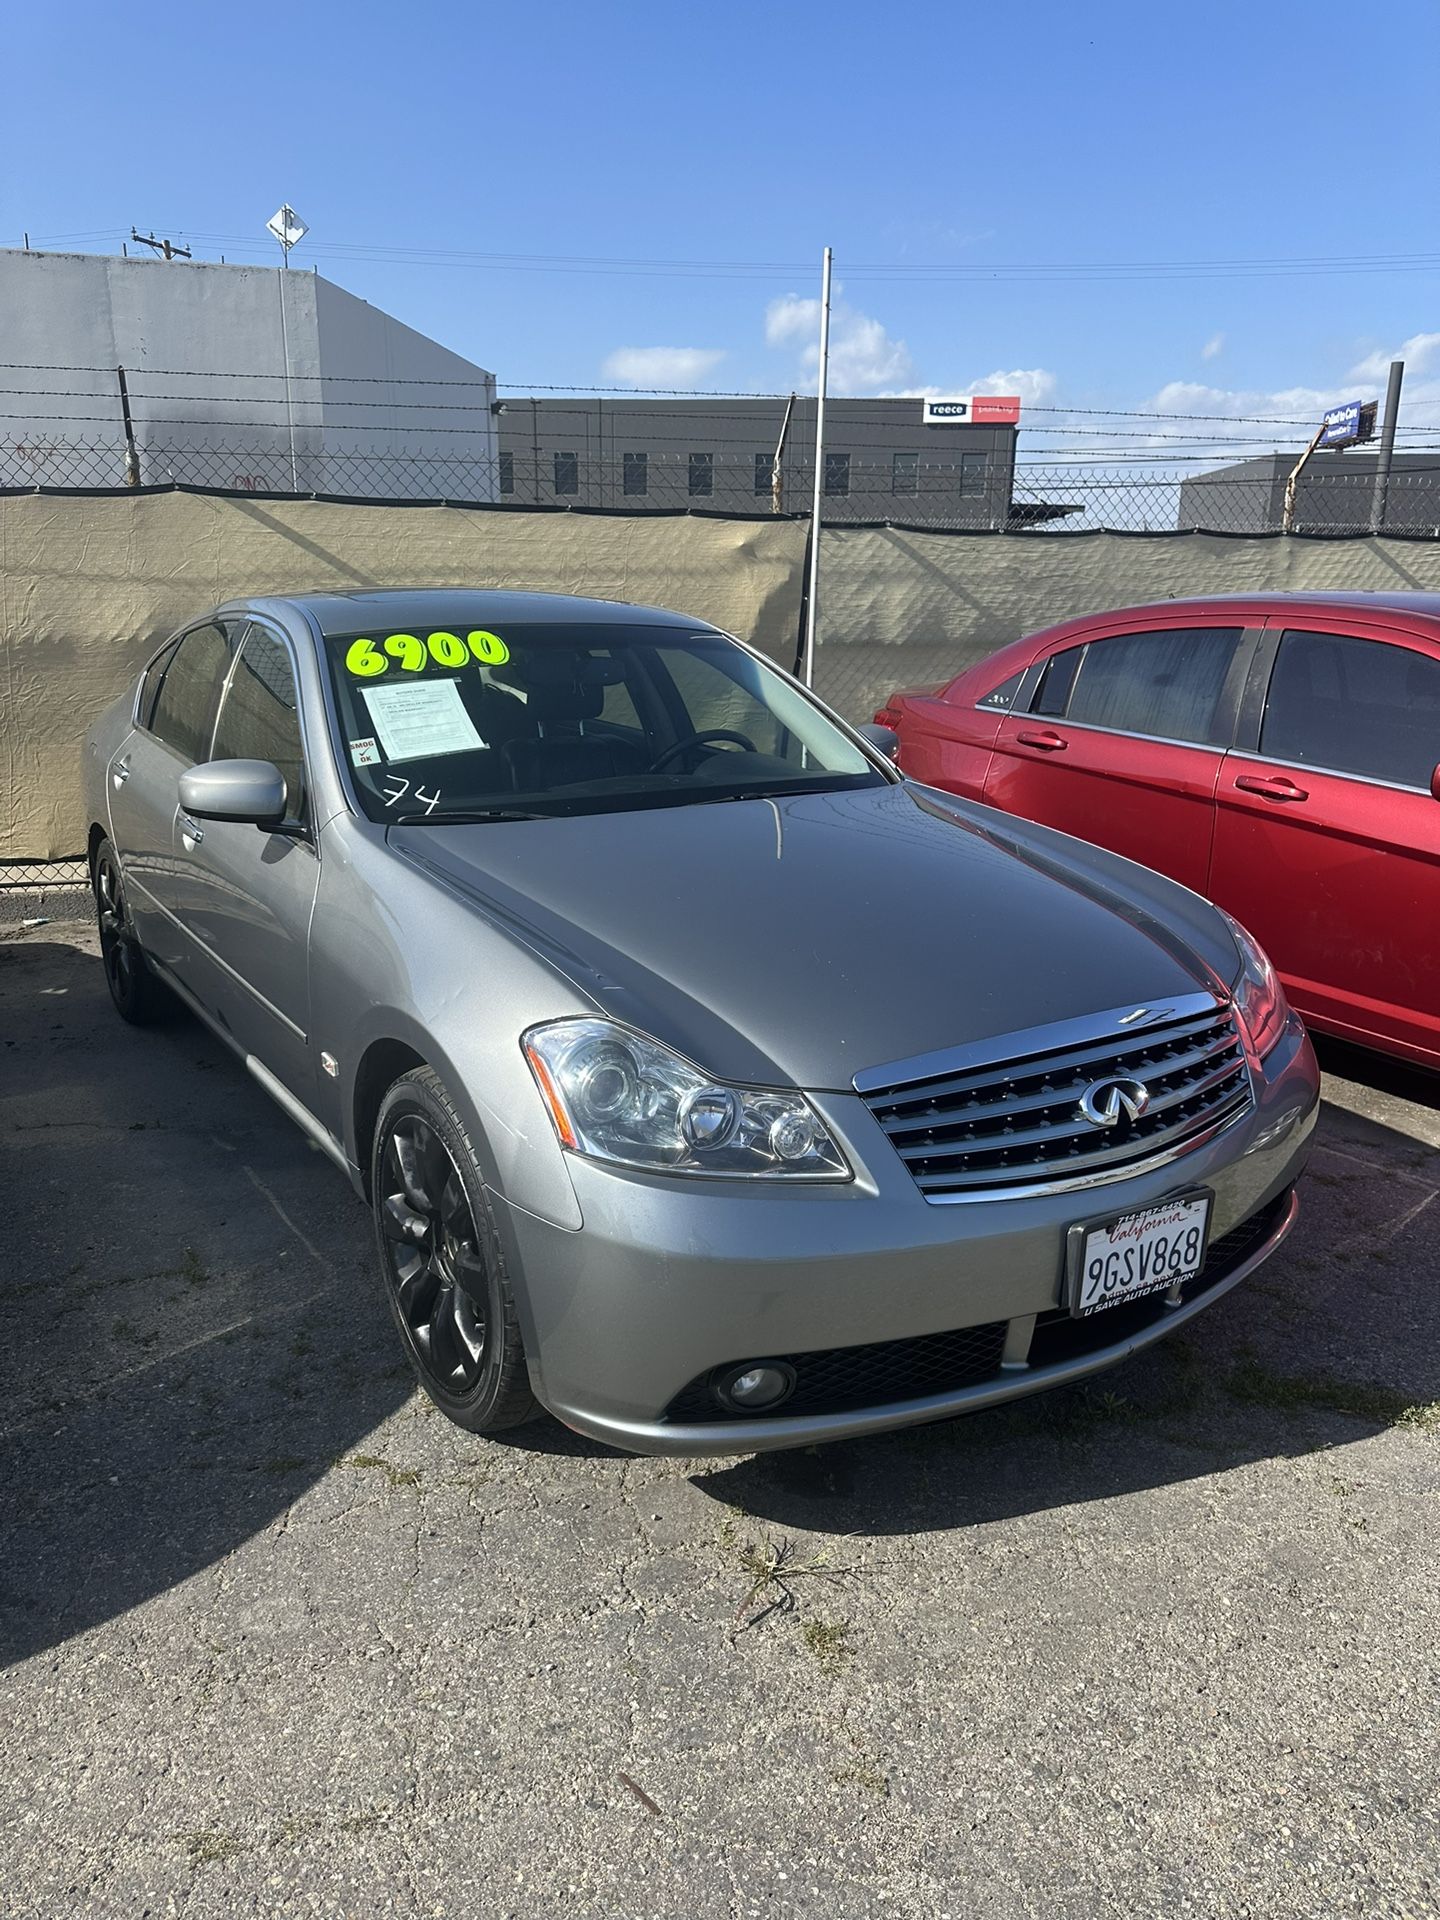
point(1138, 1253)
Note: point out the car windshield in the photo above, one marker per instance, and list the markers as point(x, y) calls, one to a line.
point(538, 720)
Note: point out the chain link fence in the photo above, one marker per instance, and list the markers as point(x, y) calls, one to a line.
point(988, 496)
point(43, 876)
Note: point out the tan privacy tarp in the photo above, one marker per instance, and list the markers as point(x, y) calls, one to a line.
point(899, 608)
point(88, 586)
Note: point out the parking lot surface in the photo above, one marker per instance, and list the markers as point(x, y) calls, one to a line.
point(279, 1640)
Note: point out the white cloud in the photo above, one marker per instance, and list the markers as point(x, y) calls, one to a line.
point(1213, 346)
point(864, 358)
point(1035, 385)
point(662, 366)
point(791, 318)
point(1417, 352)
point(1287, 403)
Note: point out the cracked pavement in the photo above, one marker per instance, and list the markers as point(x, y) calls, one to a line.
point(279, 1640)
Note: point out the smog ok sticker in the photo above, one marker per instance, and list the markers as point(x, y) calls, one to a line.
point(364, 753)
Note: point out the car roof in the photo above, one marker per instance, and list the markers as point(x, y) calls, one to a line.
point(443, 606)
point(1381, 601)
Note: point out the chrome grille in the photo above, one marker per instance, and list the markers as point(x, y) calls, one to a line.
point(1005, 1117)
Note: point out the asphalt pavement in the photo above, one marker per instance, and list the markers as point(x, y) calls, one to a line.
point(279, 1640)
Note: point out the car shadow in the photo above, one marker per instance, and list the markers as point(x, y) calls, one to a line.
point(190, 1331)
point(1336, 1338)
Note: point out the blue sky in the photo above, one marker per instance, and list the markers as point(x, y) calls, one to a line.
point(909, 137)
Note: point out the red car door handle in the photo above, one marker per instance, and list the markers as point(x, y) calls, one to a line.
point(1047, 741)
point(1270, 787)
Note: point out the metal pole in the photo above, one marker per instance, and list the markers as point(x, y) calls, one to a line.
point(777, 470)
point(1287, 518)
point(1381, 496)
point(814, 581)
point(289, 405)
point(132, 458)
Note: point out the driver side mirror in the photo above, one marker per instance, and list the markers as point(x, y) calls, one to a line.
point(251, 792)
point(1435, 784)
point(884, 739)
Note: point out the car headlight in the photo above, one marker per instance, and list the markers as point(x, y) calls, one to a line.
point(1260, 1000)
point(615, 1095)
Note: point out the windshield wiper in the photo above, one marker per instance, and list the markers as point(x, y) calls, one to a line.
point(465, 816)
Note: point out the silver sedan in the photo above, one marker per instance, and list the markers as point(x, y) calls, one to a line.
point(711, 1085)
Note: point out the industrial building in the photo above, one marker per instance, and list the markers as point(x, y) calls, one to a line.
point(882, 461)
point(1335, 493)
point(264, 379)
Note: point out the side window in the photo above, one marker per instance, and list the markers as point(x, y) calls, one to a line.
point(1052, 696)
point(1002, 698)
point(1166, 684)
point(150, 686)
point(1360, 706)
point(259, 719)
point(184, 710)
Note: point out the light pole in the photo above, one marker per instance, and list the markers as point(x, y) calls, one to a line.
point(813, 582)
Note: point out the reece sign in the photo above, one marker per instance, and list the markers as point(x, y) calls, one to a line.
point(974, 410)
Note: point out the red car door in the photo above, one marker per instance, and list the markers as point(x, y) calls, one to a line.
point(1327, 838)
point(1123, 741)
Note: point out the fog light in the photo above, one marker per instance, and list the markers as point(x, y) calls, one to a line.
point(755, 1386)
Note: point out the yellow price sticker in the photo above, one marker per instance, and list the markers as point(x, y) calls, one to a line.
point(365, 659)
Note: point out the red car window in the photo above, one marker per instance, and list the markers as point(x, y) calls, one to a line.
point(1000, 699)
point(1355, 706)
point(1165, 685)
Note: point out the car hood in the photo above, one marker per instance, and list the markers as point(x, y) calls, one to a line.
point(806, 938)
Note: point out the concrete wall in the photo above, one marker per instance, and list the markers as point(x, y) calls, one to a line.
point(225, 418)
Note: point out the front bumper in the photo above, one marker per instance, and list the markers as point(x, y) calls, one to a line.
point(668, 1279)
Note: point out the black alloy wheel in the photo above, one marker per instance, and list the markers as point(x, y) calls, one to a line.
point(441, 1260)
point(138, 995)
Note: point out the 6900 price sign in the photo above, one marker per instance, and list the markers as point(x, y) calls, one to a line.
point(367, 658)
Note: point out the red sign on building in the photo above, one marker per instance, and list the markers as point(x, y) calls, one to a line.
point(995, 410)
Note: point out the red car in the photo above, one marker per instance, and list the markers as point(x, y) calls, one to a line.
point(1277, 752)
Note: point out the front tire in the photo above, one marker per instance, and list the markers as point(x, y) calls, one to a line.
point(441, 1261)
point(139, 997)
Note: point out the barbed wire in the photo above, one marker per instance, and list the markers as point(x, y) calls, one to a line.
point(517, 391)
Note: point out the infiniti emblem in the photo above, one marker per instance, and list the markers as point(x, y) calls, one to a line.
point(1105, 1102)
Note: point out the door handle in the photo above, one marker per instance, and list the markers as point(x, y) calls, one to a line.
point(1270, 786)
point(190, 832)
point(120, 772)
point(1046, 741)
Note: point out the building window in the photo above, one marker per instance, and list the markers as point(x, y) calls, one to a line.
point(702, 475)
point(973, 470)
point(905, 473)
point(837, 473)
point(764, 472)
point(507, 473)
point(567, 473)
point(637, 473)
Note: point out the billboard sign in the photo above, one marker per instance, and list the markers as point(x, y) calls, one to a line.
point(1344, 425)
point(974, 410)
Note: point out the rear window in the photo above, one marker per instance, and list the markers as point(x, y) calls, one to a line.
point(1002, 698)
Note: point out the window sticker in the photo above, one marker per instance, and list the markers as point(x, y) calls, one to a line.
point(367, 659)
point(420, 720)
point(364, 753)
